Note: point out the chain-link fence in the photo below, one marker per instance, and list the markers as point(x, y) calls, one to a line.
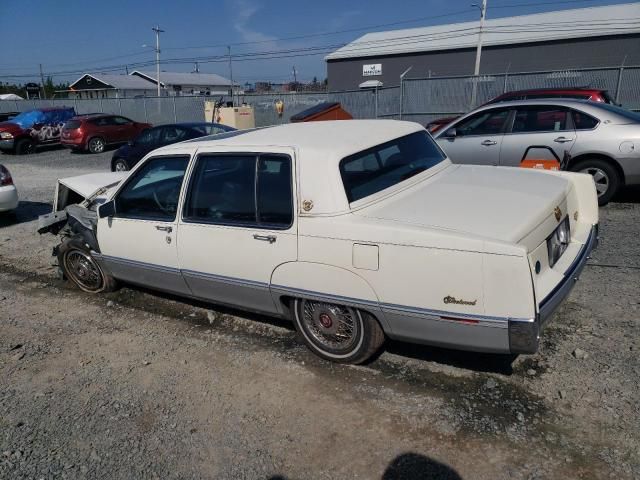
point(417, 99)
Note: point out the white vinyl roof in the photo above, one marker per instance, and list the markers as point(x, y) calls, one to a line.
point(319, 147)
point(541, 27)
point(179, 78)
point(120, 82)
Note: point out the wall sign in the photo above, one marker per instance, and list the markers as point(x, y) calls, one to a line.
point(372, 70)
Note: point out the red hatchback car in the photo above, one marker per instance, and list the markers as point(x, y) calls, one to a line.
point(94, 132)
point(579, 93)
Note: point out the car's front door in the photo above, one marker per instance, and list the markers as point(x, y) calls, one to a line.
point(143, 144)
point(138, 243)
point(538, 126)
point(477, 139)
point(238, 225)
point(123, 129)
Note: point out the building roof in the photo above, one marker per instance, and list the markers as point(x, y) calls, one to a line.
point(318, 146)
point(540, 27)
point(179, 78)
point(119, 82)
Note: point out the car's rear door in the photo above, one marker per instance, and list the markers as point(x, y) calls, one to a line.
point(478, 137)
point(548, 126)
point(238, 225)
point(139, 244)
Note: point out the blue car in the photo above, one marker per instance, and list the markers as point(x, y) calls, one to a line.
point(128, 155)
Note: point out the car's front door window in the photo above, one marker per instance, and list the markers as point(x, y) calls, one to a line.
point(149, 138)
point(153, 191)
point(487, 122)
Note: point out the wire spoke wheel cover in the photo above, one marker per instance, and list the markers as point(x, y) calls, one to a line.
point(83, 270)
point(600, 178)
point(336, 330)
point(121, 166)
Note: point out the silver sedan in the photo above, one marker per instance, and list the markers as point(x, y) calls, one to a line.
point(600, 139)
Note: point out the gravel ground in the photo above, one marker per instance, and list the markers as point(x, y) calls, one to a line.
point(133, 384)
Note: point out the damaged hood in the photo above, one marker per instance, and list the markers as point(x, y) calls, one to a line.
point(77, 189)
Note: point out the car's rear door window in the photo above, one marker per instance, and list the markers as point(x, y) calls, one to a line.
point(241, 190)
point(153, 191)
point(540, 118)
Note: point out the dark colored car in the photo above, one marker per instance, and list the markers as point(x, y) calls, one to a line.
point(26, 131)
point(128, 155)
point(93, 132)
point(576, 93)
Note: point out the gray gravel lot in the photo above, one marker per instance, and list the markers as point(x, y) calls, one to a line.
point(136, 385)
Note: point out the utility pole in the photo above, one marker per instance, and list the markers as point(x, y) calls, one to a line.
point(231, 75)
point(158, 32)
point(295, 78)
point(44, 92)
point(476, 70)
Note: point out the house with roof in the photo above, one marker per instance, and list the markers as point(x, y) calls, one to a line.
point(103, 85)
point(179, 83)
point(606, 36)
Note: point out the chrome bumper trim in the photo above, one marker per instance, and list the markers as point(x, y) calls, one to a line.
point(524, 336)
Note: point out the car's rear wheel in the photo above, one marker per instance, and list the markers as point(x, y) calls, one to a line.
point(120, 165)
point(605, 176)
point(25, 146)
point(338, 333)
point(96, 145)
point(82, 269)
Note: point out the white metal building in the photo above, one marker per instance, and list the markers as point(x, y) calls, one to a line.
point(178, 83)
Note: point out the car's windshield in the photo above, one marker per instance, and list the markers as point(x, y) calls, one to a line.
point(385, 165)
point(632, 117)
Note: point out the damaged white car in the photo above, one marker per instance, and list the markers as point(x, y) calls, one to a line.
point(356, 231)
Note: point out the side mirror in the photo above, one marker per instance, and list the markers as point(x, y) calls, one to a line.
point(451, 133)
point(107, 209)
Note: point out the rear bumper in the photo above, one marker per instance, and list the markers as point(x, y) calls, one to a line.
point(524, 335)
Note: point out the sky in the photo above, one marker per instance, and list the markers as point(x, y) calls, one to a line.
point(72, 37)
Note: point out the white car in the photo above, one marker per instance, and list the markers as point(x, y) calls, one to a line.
point(355, 230)
point(8, 192)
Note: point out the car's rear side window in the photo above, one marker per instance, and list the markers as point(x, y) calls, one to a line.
point(582, 121)
point(388, 164)
point(241, 190)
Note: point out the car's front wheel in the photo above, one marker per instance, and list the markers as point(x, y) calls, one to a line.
point(605, 176)
point(96, 145)
point(120, 165)
point(82, 269)
point(25, 146)
point(338, 333)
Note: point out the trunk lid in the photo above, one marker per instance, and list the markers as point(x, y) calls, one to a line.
point(497, 203)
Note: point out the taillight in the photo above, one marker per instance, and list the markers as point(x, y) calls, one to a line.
point(5, 177)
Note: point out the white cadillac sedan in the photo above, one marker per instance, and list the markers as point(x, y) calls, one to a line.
point(355, 230)
point(8, 192)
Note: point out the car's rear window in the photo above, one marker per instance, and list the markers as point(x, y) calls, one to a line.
point(72, 124)
point(388, 164)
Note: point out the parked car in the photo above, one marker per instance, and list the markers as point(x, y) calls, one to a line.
point(94, 132)
point(26, 131)
point(355, 230)
point(602, 139)
point(127, 156)
point(8, 192)
point(4, 116)
point(579, 93)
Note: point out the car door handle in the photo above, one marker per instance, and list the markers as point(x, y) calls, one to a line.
point(488, 143)
point(162, 228)
point(265, 238)
point(563, 139)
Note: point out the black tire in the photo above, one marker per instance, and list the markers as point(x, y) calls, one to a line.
point(364, 341)
point(120, 165)
point(96, 145)
point(607, 179)
point(25, 146)
point(81, 269)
